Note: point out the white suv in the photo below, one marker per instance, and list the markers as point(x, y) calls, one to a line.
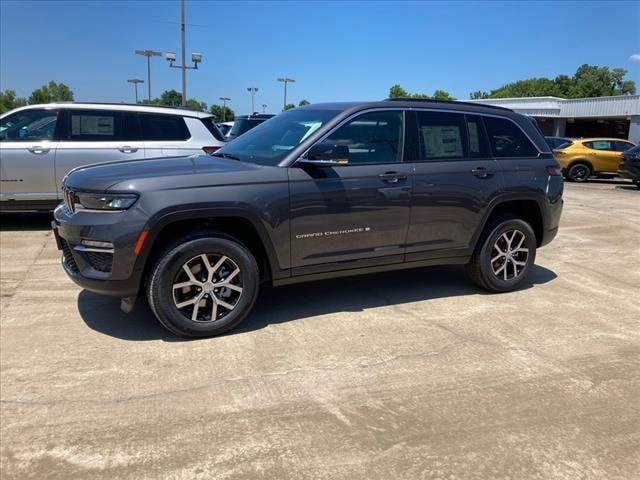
point(39, 144)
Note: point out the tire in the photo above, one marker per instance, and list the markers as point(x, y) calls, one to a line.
point(579, 172)
point(169, 270)
point(636, 182)
point(481, 269)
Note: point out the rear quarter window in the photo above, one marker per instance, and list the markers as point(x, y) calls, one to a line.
point(163, 127)
point(507, 139)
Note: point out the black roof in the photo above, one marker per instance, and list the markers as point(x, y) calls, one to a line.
point(411, 103)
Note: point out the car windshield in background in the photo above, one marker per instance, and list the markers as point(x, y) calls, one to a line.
point(242, 125)
point(271, 141)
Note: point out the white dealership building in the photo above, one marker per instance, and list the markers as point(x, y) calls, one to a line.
point(617, 117)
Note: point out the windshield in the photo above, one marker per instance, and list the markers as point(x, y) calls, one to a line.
point(271, 141)
point(243, 125)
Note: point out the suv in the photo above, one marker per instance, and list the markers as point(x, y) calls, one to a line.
point(321, 191)
point(39, 144)
point(244, 123)
point(590, 156)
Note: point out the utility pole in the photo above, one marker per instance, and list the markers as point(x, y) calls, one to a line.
point(264, 108)
point(148, 54)
point(135, 82)
point(195, 57)
point(285, 80)
point(253, 91)
point(224, 107)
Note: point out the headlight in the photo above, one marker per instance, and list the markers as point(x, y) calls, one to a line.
point(106, 201)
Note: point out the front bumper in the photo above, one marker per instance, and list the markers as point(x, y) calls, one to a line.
point(97, 270)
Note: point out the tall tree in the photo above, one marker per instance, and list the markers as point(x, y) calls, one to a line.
point(9, 101)
point(289, 106)
point(217, 112)
point(52, 92)
point(478, 94)
point(304, 102)
point(194, 104)
point(442, 95)
point(171, 98)
point(396, 91)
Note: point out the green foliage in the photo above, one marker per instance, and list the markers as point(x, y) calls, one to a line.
point(396, 91)
point(588, 81)
point(222, 114)
point(194, 104)
point(304, 102)
point(9, 101)
point(289, 106)
point(478, 94)
point(52, 92)
point(172, 98)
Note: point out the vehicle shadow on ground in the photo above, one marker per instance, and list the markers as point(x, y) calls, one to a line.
point(295, 302)
point(21, 222)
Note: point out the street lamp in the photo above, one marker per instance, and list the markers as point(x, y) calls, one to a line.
point(264, 108)
point(224, 107)
point(285, 80)
point(135, 82)
point(148, 54)
point(253, 91)
point(196, 58)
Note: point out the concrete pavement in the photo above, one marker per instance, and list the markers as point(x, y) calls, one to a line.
point(413, 374)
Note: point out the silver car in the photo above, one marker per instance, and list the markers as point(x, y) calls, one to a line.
point(40, 144)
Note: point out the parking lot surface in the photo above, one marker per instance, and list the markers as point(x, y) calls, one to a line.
point(413, 374)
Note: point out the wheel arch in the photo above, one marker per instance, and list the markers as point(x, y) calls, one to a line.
point(586, 161)
point(528, 208)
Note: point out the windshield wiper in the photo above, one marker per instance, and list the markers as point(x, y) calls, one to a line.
point(224, 155)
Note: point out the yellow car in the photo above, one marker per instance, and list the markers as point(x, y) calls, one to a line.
point(584, 157)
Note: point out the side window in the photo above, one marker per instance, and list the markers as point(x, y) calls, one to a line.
point(478, 147)
point(94, 125)
point(130, 126)
point(163, 127)
point(371, 138)
point(29, 126)
point(623, 146)
point(599, 145)
point(507, 139)
point(442, 136)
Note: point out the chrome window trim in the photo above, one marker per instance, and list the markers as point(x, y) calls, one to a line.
point(287, 162)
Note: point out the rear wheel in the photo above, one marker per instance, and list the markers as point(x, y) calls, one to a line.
point(504, 255)
point(203, 286)
point(579, 172)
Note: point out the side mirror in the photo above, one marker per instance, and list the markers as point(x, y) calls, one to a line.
point(326, 155)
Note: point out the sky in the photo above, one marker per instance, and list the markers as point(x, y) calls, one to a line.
point(335, 51)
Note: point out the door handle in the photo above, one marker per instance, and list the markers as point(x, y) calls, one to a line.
point(37, 149)
point(482, 172)
point(392, 177)
point(128, 149)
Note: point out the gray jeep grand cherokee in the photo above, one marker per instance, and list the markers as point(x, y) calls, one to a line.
point(317, 192)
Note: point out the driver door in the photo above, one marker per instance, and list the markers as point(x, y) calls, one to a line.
point(356, 214)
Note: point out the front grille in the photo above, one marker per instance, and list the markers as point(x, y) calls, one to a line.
point(100, 261)
point(68, 256)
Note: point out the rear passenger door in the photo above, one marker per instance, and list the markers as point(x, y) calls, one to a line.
point(96, 136)
point(455, 178)
point(603, 155)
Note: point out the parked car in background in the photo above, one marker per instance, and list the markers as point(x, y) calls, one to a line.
point(40, 144)
point(589, 156)
point(630, 165)
point(557, 142)
point(244, 123)
point(225, 127)
point(322, 191)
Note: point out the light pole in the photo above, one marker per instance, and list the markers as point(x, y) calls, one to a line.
point(253, 91)
point(264, 108)
point(135, 82)
point(224, 107)
point(148, 54)
point(195, 57)
point(285, 80)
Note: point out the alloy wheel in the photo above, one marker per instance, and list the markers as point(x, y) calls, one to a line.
point(510, 255)
point(580, 172)
point(207, 287)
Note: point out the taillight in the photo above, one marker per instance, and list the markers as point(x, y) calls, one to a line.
point(554, 170)
point(210, 150)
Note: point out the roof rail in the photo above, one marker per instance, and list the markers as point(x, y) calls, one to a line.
point(128, 104)
point(433, 100)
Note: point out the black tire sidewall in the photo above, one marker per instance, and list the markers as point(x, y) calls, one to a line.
point(171, 262)
point(572, 178)
point(493, 282)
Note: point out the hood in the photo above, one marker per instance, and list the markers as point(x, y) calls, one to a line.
point(166, 172)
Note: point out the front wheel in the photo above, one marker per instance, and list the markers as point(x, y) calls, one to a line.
point(203, 286)
point(504, 255)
